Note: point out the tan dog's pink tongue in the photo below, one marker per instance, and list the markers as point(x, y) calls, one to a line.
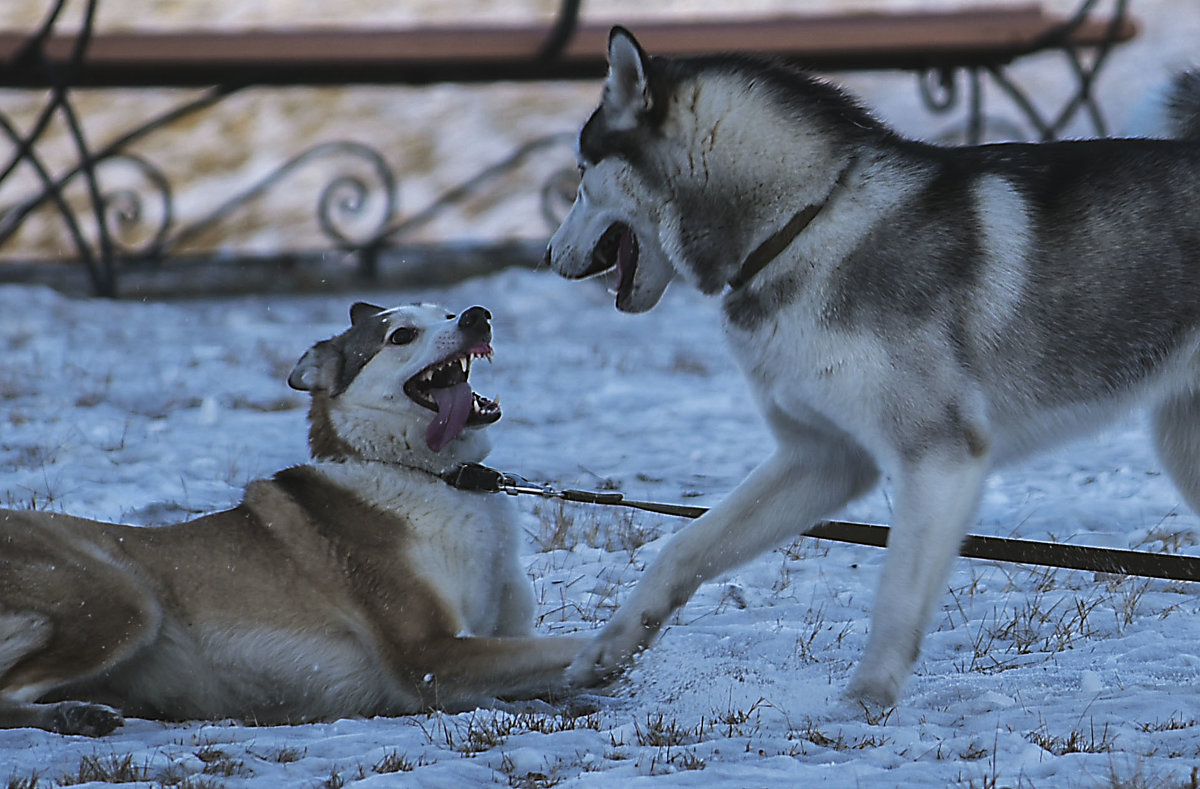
point(454, 408)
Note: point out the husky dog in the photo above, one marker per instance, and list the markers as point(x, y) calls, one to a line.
point(898, 308)
point(361, 584)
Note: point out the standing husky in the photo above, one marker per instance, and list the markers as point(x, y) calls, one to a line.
point(362, 584)
point(898, 308)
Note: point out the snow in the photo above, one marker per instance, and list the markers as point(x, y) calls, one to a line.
point(154, 412)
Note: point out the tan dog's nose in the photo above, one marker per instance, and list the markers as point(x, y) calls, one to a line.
point(476, 320)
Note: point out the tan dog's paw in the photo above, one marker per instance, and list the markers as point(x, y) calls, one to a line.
point(81, 717)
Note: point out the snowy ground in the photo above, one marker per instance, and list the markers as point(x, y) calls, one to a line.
point(150, 413)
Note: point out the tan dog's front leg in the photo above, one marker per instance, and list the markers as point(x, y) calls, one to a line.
point(468, 672)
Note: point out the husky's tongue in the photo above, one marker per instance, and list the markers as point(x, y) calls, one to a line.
point(454, 407)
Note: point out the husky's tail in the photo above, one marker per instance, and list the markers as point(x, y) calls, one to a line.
point(1171, 110)
point(1183, 106)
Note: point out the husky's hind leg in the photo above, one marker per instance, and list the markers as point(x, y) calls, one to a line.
point(1177, 438)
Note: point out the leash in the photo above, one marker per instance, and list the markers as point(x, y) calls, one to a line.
point(1113, 561)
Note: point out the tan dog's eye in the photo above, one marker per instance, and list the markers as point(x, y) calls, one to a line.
point(403, 336)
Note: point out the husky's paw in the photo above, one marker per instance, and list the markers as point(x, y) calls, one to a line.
point(866, 709)
point(629, 632)
point(81, 717)
point(595, 665)
point(604, 657)
point(873, 692)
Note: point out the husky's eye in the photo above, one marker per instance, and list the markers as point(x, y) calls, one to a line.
point(403, 336)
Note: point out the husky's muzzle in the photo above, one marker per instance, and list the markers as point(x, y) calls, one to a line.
point(596, 252)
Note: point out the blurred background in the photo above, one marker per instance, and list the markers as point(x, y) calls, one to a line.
point(433, 138)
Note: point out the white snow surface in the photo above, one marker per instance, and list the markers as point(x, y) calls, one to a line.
point(150, 413)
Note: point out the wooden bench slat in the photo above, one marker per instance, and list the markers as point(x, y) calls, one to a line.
point(471, 54)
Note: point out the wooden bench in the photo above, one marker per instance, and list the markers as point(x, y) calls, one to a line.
point(975, 36)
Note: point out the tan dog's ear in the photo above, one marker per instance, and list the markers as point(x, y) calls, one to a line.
point(360, 311)
point(317, 369)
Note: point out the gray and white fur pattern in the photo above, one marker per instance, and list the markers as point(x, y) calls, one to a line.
point(902, 309)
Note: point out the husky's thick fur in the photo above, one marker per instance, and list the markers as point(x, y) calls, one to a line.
point(362, 584)
point(899, 308)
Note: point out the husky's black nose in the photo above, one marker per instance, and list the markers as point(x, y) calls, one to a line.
point(475, 319)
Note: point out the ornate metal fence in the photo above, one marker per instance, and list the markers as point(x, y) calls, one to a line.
point(356, 211)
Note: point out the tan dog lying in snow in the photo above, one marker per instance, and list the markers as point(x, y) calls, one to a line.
point(360, 584)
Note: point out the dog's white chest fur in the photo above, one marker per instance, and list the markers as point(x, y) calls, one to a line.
point(796, 368)
point(467, 555)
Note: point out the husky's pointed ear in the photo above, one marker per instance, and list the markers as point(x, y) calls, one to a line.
point(318, 368)
point(360, 311)
point(627, 90)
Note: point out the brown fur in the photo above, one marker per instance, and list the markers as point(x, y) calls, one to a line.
point(323, 439)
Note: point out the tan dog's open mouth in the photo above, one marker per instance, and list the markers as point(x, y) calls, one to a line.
point(443, 387)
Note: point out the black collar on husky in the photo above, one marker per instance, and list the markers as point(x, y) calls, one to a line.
point(778, 241)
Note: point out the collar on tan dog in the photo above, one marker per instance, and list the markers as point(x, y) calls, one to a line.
point(474, 477)
point(778, 241)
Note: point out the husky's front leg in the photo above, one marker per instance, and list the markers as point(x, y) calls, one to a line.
point(936, 498)
point(781, 498)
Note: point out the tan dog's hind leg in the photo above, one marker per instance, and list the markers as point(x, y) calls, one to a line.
point(23, 636)
point(68, 613)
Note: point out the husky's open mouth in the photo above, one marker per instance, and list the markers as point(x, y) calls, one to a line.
point(443, 387)
point(618, 247)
